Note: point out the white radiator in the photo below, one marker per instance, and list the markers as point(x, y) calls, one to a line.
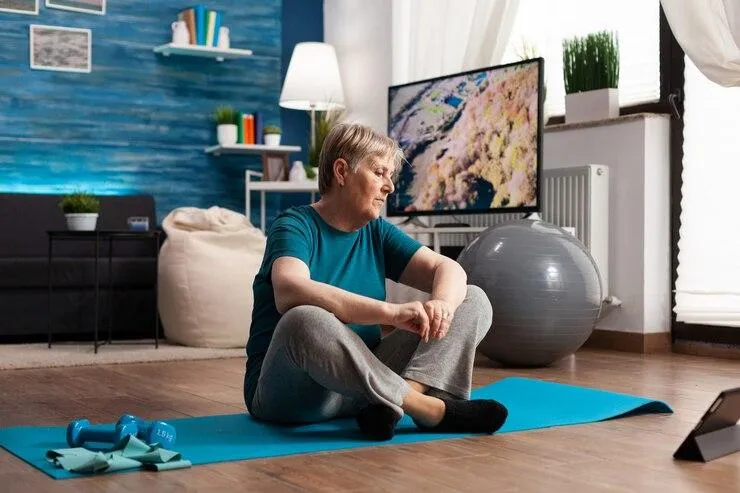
point(576, 197)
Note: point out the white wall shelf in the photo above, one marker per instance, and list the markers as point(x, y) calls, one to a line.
point(311, 186)
point(251, 149)
point(219, 54)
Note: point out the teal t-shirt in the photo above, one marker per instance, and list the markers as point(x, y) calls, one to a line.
point(357, 261)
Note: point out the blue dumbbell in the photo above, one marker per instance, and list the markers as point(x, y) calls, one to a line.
point(81, 431)
point(152, 431)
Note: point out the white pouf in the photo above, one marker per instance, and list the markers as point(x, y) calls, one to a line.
point(207, 266)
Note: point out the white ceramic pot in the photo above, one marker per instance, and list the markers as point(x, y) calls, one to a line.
point(226, 134)
point(223, 38)
point(272, 139)
point(82, 221)
point(601, 104)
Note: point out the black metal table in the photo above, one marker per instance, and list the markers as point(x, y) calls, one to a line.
point(109, 236)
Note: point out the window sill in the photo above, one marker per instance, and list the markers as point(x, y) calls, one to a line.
point(555, 127)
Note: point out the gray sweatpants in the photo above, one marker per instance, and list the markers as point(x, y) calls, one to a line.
point(317, 369)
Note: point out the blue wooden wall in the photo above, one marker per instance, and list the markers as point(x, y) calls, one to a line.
point(139, 122)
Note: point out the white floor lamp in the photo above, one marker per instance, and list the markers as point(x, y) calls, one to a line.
point(312, 82)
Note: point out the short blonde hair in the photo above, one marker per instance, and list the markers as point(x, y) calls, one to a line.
point(353, 143)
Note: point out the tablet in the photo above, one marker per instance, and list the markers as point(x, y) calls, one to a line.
point(716, 434)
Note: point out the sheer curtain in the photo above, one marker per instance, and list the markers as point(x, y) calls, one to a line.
point(439, 37)
point(708, 284)
point(543, 26)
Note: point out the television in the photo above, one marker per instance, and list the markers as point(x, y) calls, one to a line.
point(472, 141)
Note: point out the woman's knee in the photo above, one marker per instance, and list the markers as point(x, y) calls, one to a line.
point(305, 323)
point(478, 308)
point(478, 300)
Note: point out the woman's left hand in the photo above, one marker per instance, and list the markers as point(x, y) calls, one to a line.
point(440, 315)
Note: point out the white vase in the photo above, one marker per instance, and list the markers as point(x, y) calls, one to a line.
point(180, 33)
point(272, 139)
point(226, 134)
point(82, 221)
point(297, 172)
point(223, 38)
point(601, 104)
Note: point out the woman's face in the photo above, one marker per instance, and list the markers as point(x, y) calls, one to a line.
point(368, 187)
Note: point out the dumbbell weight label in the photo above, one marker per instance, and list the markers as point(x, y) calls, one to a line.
point(164, 434)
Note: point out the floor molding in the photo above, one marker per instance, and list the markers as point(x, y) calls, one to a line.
point(632, 342)
point(699, 348)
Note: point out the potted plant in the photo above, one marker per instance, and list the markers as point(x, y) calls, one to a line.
point(591, 74)
point(271, 134)
point(225, 117)
point(325, 121)
point(81, 210)
point(528, 51)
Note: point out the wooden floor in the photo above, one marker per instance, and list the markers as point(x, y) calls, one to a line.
point(631, 454)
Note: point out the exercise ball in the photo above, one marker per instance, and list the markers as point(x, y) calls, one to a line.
point(544, 287)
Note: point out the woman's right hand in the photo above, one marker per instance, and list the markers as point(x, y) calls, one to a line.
point(412, 317)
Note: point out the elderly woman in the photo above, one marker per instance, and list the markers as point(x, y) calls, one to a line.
point(315, 350)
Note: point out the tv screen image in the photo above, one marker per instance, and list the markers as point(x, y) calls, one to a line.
point(472, 141)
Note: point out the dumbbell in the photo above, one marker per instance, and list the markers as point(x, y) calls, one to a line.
point(81, 431)
point(152, 431)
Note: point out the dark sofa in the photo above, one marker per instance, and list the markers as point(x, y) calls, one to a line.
point(24, 220)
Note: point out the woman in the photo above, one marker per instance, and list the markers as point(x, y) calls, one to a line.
point(315, 350)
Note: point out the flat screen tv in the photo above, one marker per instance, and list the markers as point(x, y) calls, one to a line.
point(472, 141)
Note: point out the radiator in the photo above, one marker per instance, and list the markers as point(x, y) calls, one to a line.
point(575, 197)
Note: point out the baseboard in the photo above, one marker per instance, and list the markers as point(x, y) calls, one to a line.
point(699, 348)
point(633, 342)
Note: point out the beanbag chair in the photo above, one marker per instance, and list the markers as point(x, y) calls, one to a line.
point(207, 266)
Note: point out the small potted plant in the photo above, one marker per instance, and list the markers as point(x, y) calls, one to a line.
point(271, 135)
point(591, 74)
point(225, 117)
point(81, 210)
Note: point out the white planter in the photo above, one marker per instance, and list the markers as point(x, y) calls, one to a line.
point(82, 221)
point(226, 134)
point(600, 104)
point(272, 139)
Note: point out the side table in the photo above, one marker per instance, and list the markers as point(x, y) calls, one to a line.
point(96, 237)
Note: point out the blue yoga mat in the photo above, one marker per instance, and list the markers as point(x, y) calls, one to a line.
point(531, 403)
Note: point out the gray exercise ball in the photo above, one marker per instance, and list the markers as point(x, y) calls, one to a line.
point(544, 287)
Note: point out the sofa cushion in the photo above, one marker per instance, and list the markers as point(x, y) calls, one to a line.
point(69, 272)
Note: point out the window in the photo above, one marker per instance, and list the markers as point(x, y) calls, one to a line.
point(544, 25)
point(708, 284)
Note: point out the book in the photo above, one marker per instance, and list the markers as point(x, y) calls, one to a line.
point(239, 127)
point(213, 23)
point(258, 126)
point(188, 15)
point(200, 23)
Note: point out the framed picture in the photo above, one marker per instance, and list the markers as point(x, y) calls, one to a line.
point(29, 7)
point(274, 167)
point(86, 6)
point(64, 49)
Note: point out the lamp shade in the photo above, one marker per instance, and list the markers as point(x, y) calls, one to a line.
point(313, 80)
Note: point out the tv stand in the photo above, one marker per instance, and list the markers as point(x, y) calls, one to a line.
point(413, 221)
point(452, 225)
point(435, 231)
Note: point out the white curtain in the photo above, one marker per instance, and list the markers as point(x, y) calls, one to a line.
point(709, 33)
point(708, 283)
point(439, 37)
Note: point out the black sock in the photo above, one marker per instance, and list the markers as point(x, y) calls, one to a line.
point(441, 394)
point(476, 416)
point(378, 421)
